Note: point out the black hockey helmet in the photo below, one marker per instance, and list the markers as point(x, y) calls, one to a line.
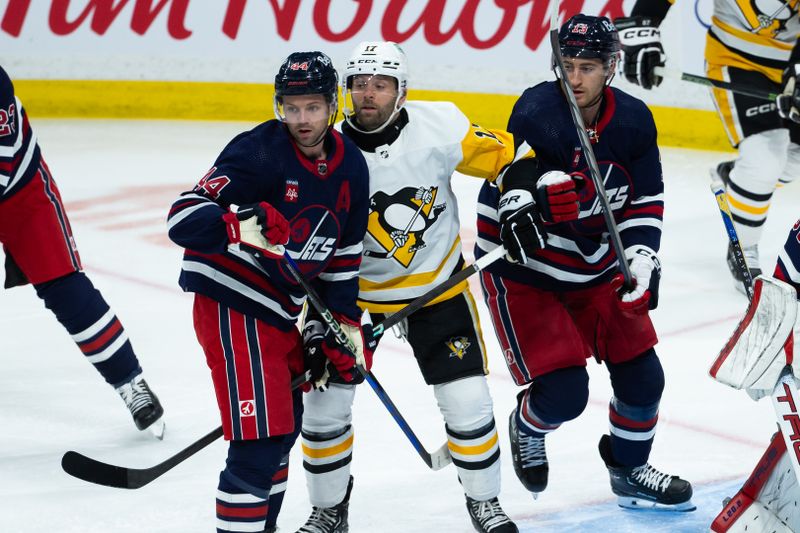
point(588, 37)
point(307, 73)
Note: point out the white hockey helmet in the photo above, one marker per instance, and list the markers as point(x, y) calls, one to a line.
point(384, 58)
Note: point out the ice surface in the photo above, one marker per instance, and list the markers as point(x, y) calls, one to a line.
point(118, 180)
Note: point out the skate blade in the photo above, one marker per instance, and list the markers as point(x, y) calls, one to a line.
point(639, 503)
point(157, 428)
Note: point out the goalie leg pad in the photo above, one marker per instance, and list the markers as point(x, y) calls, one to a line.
point(327, 442)
point(754, 356)
point(767, 500)
point(466, 406)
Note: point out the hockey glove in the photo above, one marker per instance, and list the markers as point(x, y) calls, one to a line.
point(641, 50)
point(788, 102)
point(363, 340)
point(258, 229)
point(646, 271)
point(521, 228)
point(313, 355)
point(556, 197)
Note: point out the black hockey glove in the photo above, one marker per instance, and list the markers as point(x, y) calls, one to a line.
point(521, 227)
point(313, 355)
point(641, 50)
point(788, 102)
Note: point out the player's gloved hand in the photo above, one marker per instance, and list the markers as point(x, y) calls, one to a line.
point(258, 229)
point(313, 356)
point(521, 228)
point(642, 51)
point(788, 102)
point(556, 197)
point(363, 340)
point(646, 271)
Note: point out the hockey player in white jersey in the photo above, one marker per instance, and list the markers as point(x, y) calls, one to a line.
point(412, 244)
point(753, 45)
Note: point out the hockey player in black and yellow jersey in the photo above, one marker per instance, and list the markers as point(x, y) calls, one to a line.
point(412, 149)
point(748, 47)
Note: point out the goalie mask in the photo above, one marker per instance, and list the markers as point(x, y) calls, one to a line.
point(305, 73)
point(588, 37)
point(371, 59)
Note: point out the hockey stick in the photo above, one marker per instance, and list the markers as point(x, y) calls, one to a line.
point(708, 82)
point(784, 398)
point(436, 460)
point(724, 209)
point(98, 472)
point(586, 146)
point(424, 299)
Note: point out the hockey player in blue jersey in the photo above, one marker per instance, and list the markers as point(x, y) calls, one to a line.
point(292, 182)
point(561, 301)
point(40, 250)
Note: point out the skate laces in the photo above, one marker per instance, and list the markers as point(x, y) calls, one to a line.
point(136, 395)
point(489, 513)
point(322, 520)
point(652, 478)
point(531, 450)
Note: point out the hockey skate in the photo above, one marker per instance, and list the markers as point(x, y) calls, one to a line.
point(329, 519)
point(644, 487)
point(144, 406)
point(488, 517)
point(529, 457)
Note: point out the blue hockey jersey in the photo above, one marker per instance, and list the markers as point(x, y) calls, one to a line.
point(579, 254)
point(788, 267)
point(19, 153)
point(326, 203)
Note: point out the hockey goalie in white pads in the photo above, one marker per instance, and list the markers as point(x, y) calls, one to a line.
point(758, 358)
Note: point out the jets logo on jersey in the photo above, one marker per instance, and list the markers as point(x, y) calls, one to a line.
point(398, 221)
point(313, 237)
point(458, 346)
point(617, 183)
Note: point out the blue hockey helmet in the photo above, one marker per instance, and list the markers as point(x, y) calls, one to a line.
point(588, 37)
point(307, 73)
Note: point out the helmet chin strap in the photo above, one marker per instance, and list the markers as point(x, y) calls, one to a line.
point(317, 141)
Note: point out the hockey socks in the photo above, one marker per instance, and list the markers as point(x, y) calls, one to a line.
point(326, 460)
point(94, 327)
point(240, 506)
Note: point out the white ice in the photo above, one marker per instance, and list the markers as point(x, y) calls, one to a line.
point(118, 180)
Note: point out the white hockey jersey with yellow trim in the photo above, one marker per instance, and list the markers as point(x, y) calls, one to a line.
point(762, 31)
point(412, 242)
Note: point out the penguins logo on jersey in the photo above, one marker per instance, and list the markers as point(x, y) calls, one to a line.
point(458, 346)
point(398, 221)
point(771, 15)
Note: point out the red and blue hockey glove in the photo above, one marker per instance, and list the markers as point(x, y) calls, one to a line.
point(557, 197)
point(646, 271)
point(258, 228)
point(788, 102)
point(642, 51)
point(521, 228)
